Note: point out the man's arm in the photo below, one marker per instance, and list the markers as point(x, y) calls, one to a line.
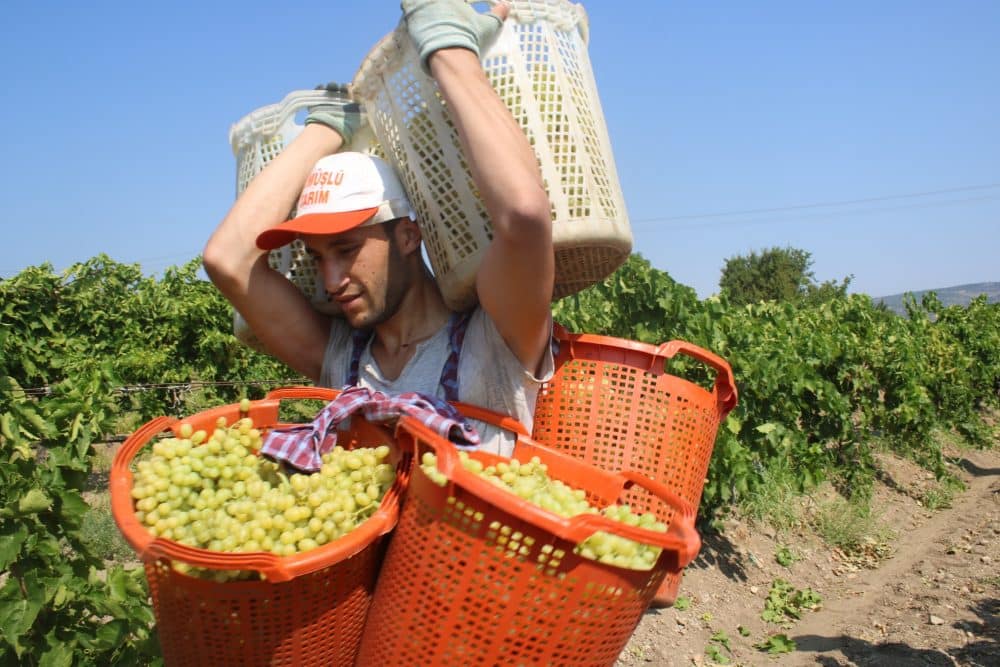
point(278, 313)
point(515, 279)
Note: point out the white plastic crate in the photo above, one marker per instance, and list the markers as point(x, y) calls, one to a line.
point(540, 68)
point(256, 139)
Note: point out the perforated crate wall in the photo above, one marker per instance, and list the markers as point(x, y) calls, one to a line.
point(613, 404)
point(464, 583)
point(314, 619)
point(619, 417)
point(540, 68)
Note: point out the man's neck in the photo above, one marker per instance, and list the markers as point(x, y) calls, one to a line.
point(421, 314)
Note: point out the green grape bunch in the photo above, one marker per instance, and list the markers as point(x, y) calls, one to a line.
point(530, 481)
point(213, 491)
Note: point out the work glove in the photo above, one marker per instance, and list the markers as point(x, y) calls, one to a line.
point(339, 114)
point(441, 24)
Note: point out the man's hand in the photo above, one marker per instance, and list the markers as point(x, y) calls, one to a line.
point(442, 24)
point(343, 117)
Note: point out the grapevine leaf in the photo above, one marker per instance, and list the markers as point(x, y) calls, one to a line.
point(17, 611)
point(47, 546)
point(73, 506)
point(775, 644)
point(61, 596)
point(716, 656)
point(721, 637)
point(106, 605)
point(136, 582)
point(33, 502)
point(59, 652)
point(74, 430)
point(66, 458)
point(10, 546)
point(110, 634)
point(118, 584)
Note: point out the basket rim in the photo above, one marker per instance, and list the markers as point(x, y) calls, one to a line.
point(262, 121)
point(275, 568)
point(724, 389)
point(389, 48)
point(681, 538)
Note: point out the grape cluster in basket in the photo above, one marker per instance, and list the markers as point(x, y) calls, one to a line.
point(531, 482)
point(213, 491)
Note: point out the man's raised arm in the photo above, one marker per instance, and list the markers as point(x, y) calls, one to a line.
point(515, 279)
point(278, 313)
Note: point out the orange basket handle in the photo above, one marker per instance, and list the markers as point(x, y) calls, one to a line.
point(505, 422)
point(725, 385)
point(686, 513)
point(266, 563)
point(275, 568)
point(303, 393)
point(681, 538)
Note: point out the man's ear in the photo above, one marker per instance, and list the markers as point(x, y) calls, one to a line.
point(407, 236)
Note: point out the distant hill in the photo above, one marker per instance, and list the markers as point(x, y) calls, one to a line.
point(960, 295)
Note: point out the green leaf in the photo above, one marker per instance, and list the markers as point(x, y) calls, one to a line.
point(682, 603)
point(766, 428)
point(74, 429)
point(111, 634)
point(61, 596)
point(10, 545)
point(17, 612)
point(715, 655)
point(47, 546)
point(118, 584)
point(59, 652)
point(73, 506)
point(775, 644)
point(721, 637)
point(33, 502)
point(110, 607)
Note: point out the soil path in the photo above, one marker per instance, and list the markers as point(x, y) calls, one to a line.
point(925, 605)
point(935, 601)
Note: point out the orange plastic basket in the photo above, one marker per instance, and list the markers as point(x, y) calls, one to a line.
point(310, 610)
point(474, 575)
point(612, 404)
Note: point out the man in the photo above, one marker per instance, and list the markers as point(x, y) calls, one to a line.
point(368, 249)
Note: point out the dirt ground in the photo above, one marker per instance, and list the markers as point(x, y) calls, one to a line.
point(928, 595)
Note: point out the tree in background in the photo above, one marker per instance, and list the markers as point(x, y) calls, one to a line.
point(776, 274)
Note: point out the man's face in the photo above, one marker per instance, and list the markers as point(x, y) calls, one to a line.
point(363, 271)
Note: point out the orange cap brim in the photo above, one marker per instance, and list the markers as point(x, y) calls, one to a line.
point(315, 223)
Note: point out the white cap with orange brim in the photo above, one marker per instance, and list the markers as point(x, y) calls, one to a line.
point(343, 191)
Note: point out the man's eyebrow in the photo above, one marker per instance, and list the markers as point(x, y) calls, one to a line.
point(334, 242)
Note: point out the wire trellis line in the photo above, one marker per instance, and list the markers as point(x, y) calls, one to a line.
point(165, 386)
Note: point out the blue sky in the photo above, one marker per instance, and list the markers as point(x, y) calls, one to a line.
point(116, 118)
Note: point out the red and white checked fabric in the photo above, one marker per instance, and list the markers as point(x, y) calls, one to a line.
point(303, 446)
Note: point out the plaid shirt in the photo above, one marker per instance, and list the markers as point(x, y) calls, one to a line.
point(302, 446)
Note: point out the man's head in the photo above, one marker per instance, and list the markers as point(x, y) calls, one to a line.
point(353, 216)
point(343, 191)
